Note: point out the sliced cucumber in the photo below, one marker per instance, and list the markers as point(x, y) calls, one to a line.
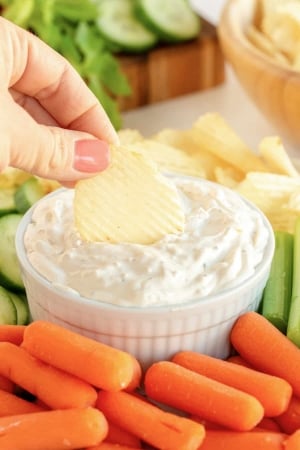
point(7, 201)
point(172, 20)
point(27, 194)
point(118, 24)
point(22, 308)
point(8, 311)
point(10, 274)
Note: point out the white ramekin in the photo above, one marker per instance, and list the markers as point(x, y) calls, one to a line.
point(149, 333)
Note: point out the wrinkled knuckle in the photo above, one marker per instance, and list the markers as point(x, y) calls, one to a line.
point(59, 149)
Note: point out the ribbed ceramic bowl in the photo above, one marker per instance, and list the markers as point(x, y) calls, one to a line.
point(274, 89)
point(149, 333)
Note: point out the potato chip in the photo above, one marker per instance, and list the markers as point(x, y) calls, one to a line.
point(283, 220)
point(262, 199)
point(293, 203)
point(282, 26)
point(171, 137)
point(228, 176)
point(274, 154)
point(216, 136)
point(268, 191)
point(277, 184)
point(170, 159)
point(129, 136)
point(264, 44)
point(186, 140)
point(131, 201)
point(269, 6)
point(278, 196)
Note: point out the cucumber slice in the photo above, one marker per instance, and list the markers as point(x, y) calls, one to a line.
point(27, 194)
point(10, 274)
point(118, 24)
point(22, 308)
point(7, 201)
point(8, 312)
point(172, 20)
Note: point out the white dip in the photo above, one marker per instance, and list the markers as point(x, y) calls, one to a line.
point(222, 243)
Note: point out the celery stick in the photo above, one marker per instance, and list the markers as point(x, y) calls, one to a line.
point(277, 293)
point(293, 330)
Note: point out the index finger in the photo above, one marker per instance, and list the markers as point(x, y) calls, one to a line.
point(36, 70)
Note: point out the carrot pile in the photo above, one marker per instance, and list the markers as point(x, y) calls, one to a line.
point(60, 390)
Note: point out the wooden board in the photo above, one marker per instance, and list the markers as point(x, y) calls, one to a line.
point(169, 71)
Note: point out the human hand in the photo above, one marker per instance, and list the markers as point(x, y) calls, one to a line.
point(51, 124)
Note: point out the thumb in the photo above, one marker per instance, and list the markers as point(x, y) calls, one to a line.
point(49, 151)
point(60, 154)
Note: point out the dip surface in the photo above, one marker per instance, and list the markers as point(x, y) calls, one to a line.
point(222, 243)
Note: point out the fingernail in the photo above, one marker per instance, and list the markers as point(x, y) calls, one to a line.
point(91, 155)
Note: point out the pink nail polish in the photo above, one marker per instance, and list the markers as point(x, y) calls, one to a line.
point(91, 155)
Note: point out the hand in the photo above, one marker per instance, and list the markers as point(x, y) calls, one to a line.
point(51, 124)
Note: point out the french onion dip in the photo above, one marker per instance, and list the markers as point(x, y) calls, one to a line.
point(221, 245)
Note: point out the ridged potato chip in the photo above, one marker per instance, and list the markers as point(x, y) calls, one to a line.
point(129, 136)
point(216, 136)
point(278, 196)
point(228, 176)
point(274, 183)
point(283, 219)
point(170, 159)
point(274, 154)
point(186, 141)
point(282, 26)
point(264, 43)
point(130, 202)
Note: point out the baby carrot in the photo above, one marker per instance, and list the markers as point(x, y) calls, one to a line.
point(110, 446)
point(151, 424)
point(293, 442)
point(191, 392)
point(262, 345)
point(11, 405)
point(55, 388)
point(12, 333)
point(6, 384)
point(102, 366)
point(117, 435)
point(53, 430)
point(248, 440)
point(289, 421)
point(274, 393)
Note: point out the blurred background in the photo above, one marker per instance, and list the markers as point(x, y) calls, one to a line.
point(154, 81)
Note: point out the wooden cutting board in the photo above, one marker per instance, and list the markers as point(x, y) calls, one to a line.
point(169, 71)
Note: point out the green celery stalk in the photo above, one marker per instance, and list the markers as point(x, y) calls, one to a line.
point(293, 330)
point(110, 106)
point(277, 294)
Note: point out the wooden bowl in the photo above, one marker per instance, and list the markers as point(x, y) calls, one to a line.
point(273, 88)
